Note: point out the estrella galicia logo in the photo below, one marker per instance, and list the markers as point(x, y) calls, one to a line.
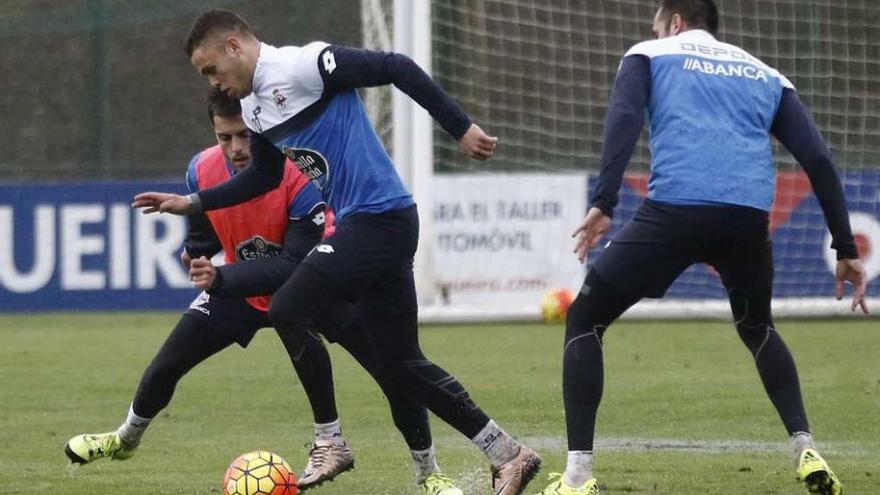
point(256, 248)
point(311, 163)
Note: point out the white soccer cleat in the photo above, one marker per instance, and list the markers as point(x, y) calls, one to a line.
point(327, 460)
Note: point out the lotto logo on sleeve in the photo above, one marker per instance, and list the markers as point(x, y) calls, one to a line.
point(322, 248)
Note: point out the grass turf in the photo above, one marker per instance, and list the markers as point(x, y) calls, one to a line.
point(683, 413)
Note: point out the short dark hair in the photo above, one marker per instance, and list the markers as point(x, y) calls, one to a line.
point(221, 105)
point(698, 14)
point(211, 22)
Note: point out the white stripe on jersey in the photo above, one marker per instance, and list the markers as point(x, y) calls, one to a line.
point(699, 43)
point(286, 82)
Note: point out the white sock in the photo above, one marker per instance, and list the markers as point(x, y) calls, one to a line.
point(498, 446)
point(133, 429)
point(328, 431)
point(801, 441)
point(579, 468)
point(425, 462)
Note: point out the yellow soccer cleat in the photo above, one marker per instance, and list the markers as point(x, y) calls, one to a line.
point(83, 449)
point(439, 484)
point(558, 487)
point(816, 475)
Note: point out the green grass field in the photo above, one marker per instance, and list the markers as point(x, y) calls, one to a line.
point(684, 411)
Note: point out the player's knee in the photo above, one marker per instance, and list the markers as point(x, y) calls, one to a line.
point(751, 316)
point(284, 314)
point(161, 375)
point(754, 334)
point(299, 300)
point(596, 306)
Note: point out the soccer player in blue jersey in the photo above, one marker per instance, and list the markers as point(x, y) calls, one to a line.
point(264, 240)
point(712, 108)
point(280, 228)
point(301, 103)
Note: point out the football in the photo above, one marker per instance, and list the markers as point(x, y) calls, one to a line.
point(259, 473)
point(554, 305)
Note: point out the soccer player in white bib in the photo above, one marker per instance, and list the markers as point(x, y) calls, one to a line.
point(712, 109)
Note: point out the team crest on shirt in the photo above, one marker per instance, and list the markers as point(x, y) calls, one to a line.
point(311, 163)
point(280, 99)
point(256, 248)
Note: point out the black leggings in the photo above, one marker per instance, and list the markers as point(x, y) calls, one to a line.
point(192, 341)
point(599, 304)
point(383, 314)
point(195, 339)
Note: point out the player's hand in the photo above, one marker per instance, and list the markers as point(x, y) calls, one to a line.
point(588, 234)
point(202, 273)
point(477, 144)
point(853, 272)
point(153, 202)
point(185, 259)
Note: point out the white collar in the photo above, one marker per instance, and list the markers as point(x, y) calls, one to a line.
point(696, 33)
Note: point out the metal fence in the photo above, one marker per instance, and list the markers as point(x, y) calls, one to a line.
point(101, 89)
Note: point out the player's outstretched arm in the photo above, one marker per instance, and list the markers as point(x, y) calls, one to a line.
point(343, 68)
point(794, 127)
point(159, 202)
point(264, 174)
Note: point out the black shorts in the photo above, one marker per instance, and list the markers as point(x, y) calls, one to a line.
point(369, 260)
point(233, 318)
point(662, 240)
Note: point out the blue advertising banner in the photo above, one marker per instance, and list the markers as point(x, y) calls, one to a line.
point(82, 247)
point(802, 256)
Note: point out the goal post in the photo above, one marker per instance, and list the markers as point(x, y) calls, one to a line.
point(413, 136)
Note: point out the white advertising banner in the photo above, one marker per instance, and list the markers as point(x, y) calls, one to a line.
point(501, 241)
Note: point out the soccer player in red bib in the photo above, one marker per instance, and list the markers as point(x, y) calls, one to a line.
point(263, 239)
